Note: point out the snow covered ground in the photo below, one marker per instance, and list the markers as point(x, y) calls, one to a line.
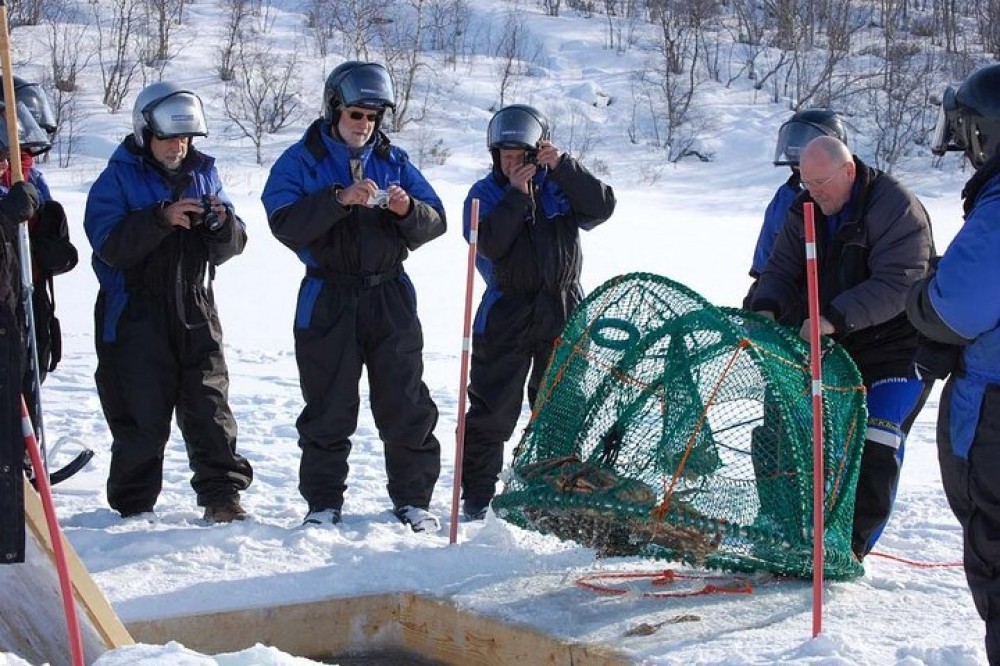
point(695, 222)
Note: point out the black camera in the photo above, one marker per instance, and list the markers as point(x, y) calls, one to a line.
point(531, 156)
point(209, 217)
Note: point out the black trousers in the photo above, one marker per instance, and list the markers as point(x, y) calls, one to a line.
point(352, 327)
point(11, 441)
point(514, 346)
point(155, 368)
point(972, 487)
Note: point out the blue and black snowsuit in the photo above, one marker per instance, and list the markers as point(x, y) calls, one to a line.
point(20, 204)
point(158, 336)
point(530, 258)
point(869, 255)
point(357, 308)
point(960, 305)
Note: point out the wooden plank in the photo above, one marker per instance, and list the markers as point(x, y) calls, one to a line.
point(315, 630)
point(89, 597)
point(438, 630)
point(434, 629)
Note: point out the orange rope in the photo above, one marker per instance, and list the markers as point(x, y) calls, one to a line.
point(914, 563)
point(723, 584)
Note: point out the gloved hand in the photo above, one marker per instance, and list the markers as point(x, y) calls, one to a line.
point(21, 202)
point(936, 360)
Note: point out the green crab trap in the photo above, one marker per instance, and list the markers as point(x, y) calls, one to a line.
point(670, 428)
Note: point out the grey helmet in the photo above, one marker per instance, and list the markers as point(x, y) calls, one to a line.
point(166, 110)
point(34, 97)
point(802, 128)
point(517, 126)
point(31, 138)
point(970, 117)
point(357, 83)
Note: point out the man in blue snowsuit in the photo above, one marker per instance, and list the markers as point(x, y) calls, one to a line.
point(532, 206)
point(958, 310)
point(873, 242)
point(160, 223)
point(352, 206)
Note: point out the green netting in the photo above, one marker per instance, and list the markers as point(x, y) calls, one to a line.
point(671, 428)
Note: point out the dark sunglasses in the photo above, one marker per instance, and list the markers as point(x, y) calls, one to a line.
point(370, 117)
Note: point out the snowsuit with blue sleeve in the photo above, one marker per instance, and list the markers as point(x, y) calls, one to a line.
point(357, 307)
point(960, 305)
point(158, 336)
point(774, 219)
point(869, 254)
point(530, 257)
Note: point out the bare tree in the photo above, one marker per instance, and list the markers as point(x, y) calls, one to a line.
point(232, 38)
point(162, 16)
point(25, 12)
point(402, 42)
point(117, 35)
point(70, 119)
point(511, 53)
point(67, 45)
point(900, 107)
point(263, 96)
point(356, 21)
point(987, 13)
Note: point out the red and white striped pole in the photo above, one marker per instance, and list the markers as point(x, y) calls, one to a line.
point(470, 276)
point(816, 364)
point(55, 536)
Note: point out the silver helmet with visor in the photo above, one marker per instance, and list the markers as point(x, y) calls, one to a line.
point(166, 110)
point(30, 136)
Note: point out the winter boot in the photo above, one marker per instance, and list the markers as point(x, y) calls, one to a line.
point(322, 517)
point(225, 512)
point(419, 520)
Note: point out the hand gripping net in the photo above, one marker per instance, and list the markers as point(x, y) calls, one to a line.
point(670, 428)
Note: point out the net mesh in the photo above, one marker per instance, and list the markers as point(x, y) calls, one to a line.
point(671, 428)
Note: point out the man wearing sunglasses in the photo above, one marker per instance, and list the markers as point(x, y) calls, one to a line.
point(160, 223)
point(873, 242)
point(352, 207)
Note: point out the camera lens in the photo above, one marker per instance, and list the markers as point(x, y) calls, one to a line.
point(211, 218)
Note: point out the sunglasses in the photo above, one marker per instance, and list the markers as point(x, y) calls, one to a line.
point(358, 115)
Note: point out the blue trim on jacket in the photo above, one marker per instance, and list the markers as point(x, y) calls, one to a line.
point(774, 219)
point(964, 294)
point(131, 183)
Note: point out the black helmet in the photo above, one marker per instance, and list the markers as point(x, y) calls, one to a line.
point(517, 126)
point(356, 83)
point(970, 117)
point(802, 128)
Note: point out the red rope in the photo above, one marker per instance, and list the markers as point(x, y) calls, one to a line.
point(723, 584)
point(914, 563)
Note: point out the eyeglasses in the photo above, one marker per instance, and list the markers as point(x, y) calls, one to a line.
point(370, 117)
point(822, 182)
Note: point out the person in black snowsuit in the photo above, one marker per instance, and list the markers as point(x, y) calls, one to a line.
point(20, 204)
point(352, 206)
point(159, 223)
point(532, 206)
point(873, 241)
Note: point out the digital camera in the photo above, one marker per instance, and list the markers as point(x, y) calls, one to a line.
point(209, 217)
point(380, 198)
point(531, 156)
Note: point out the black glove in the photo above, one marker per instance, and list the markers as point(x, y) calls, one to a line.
point(21, 202)
point(937, 360)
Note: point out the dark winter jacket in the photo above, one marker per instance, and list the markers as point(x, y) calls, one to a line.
point(869, 255)
point(532, 244)
point(960, 305)
point(20, 204)
point(137, 251)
